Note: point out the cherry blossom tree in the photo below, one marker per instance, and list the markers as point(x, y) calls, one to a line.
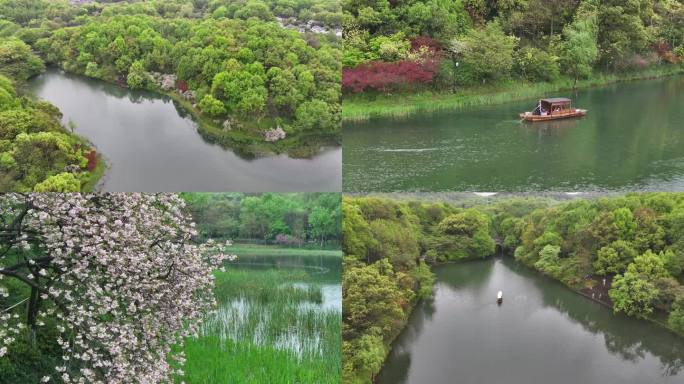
point(118, 273)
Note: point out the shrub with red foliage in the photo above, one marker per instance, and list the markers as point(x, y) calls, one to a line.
point(182, 85)
point(383, 76)
point(92, 160)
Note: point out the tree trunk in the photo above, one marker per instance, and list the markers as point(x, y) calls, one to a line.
point(31, 314)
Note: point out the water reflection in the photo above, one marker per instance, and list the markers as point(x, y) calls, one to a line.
point(542, 333)
point(152, 145)
point(628, 141)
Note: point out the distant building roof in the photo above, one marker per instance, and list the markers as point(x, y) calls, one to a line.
point(557, 100)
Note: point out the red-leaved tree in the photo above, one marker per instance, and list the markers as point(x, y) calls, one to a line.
point(383, 76)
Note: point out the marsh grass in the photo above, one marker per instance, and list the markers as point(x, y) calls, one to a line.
point(270, 327)
point(272, 250)
point(364, 107)
point(225, 361)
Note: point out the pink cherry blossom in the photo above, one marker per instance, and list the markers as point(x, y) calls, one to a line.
point(120, 273)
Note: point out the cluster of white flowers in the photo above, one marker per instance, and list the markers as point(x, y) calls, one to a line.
point(121, 276)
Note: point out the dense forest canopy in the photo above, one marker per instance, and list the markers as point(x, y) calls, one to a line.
point(252, 71)
point(293, 219)
point(634, 242)
point(449, 44)
point(36, 151)
point(239, 60)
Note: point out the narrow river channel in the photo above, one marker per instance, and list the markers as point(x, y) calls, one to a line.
point(632, 139)
point(151, 146)
point(542, 333)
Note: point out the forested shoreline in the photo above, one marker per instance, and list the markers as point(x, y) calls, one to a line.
point(258, 76)
point(631, 241)
point(310, 220)
point(37, 153)
point(465, 52)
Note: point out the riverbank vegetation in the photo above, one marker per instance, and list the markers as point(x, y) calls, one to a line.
point(463, 52)
point(268, 329)
point(622, 251)
point(295, 220)
point(37, 153)
point(220, 320)
point(250, 71)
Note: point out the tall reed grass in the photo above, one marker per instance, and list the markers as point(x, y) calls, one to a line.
point(270, 327)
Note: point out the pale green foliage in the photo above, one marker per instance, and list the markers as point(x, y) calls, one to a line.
point(548, 260)
point(613, 259)
point(536, 65)
point(137, 78)
point(63, 182)
point(676, 318)
point(579, 50)
point(211, 106)
point(17, 61)
point(390, 48)
point(489, 51)
point(633, 294)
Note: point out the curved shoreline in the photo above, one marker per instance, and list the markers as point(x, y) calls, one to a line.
point(243, 142)
point(358, 108)
point(404, 321)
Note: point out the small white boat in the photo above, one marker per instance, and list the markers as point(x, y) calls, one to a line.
point(499, 297)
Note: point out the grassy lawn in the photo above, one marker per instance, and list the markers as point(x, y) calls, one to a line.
point(365, 106)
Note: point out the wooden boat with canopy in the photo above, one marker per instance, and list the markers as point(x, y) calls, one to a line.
point(552, 109)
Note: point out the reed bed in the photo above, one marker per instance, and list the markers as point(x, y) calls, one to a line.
point(270, 327)
point(270, 250)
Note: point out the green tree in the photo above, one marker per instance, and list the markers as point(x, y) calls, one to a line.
point(624, 222)
point(212, 106)
point(137, 78)
point(489, 51)
point(676, 317)
point(614, 259)
point(371, 299)
point(62, 182)
point(536, 65)
point(632, 294)
point(322, 224)
point(17, 60)
point(315, 115)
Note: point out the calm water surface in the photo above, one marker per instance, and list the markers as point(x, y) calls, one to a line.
point(151, 146)
point(631, 139)
point(542, 333)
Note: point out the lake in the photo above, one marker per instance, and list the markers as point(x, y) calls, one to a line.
point(632, 139)
point(542, 333)
point(151, 145)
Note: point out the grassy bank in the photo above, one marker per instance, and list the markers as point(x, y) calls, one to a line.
point(212, 360)
point(274, 250)
point(363, 107)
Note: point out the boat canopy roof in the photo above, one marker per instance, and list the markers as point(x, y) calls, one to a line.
point(557, 100)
